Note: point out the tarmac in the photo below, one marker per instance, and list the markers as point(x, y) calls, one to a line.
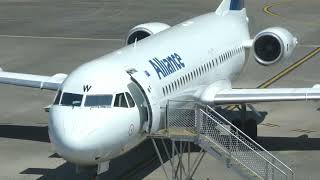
point(55, 36)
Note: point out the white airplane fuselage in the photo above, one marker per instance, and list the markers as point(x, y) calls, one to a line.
point(197, 52)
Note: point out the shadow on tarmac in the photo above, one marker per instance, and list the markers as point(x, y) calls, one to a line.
point(33, 133)
point(301, 143)
point(135, 165)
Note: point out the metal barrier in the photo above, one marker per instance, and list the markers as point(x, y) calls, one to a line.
point(208, 128)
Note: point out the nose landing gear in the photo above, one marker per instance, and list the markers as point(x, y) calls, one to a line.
point(93, 171)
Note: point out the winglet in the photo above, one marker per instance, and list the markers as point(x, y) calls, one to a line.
point(1, 69)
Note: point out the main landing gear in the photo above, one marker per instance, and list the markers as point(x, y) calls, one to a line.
point(246, 125)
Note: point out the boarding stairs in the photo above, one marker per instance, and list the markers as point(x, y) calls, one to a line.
point(190, 122)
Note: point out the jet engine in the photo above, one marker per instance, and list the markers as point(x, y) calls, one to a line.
point(273, 45)
point(144, 30)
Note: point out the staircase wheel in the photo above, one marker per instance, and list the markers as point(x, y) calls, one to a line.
point(251, 129)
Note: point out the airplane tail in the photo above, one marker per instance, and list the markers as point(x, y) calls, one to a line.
point(230, 5)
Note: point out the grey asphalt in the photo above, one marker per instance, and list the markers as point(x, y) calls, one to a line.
point(47, 37)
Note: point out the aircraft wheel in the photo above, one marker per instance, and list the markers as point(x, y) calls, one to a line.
point(236, 123)
point(251, 129)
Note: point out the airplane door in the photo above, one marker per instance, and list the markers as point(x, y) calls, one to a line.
point(142, 104)
point(143, 95)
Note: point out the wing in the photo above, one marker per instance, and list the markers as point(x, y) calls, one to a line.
point(33, 81)
point(238, 96)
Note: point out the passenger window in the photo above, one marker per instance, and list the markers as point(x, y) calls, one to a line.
point(120, 101)
point(58, 97)
point(130, 99)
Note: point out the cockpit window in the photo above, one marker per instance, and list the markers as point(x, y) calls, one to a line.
point(69, 99)
point(130, 100)
point(58, 96)
point(98, 100)
point(120, 101)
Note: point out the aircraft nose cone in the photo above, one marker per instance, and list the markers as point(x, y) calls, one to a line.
point(74, 141)
point(74, 148)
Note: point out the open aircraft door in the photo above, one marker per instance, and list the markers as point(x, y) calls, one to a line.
point(144, 97)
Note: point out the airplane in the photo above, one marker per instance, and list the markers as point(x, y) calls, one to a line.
point(107, 106)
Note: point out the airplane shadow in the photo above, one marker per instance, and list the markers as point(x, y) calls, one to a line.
point(135, 165)
point(301, 143)
point(33, 133)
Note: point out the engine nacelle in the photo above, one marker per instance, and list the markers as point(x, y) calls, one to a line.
point(273, 45)
point(144, 30)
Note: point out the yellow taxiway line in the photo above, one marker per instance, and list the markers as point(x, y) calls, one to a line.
point(267, 8)
point(290, 68)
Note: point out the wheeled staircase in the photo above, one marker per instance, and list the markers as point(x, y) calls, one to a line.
point(204, 126)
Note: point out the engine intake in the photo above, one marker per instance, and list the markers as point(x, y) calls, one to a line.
point(273, 45)
point(145, 30)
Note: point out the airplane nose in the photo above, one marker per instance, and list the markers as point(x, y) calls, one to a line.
point(73, 140)
point(92, 136)
point(76, 148)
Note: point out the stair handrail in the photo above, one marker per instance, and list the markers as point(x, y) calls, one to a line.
point(246, 144)
point(252, 141)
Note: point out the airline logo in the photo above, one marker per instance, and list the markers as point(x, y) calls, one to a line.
point(167, 66)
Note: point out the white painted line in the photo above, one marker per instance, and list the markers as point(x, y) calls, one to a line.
point(59, 38)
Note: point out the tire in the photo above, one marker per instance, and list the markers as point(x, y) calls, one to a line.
point(251, 129)
point(236, 123)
